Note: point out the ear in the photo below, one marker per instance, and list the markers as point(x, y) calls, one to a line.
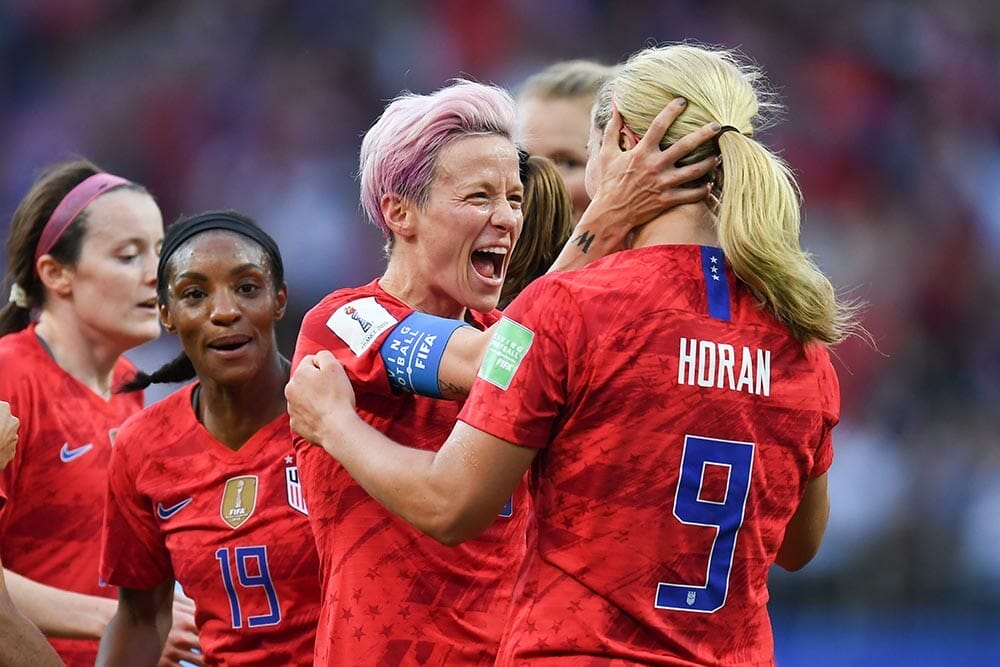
point(627, 139)
point(280, 302)
point(165, 320)
point(56, 276)
point(397, 213)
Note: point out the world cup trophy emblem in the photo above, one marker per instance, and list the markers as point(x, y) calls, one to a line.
point(239, 499)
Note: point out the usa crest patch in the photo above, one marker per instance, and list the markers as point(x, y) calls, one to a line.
point(293, 487)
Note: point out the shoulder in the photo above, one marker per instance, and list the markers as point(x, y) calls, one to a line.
point(152, 426)
point(20, 350)
point(355, 318)
point(25, 363)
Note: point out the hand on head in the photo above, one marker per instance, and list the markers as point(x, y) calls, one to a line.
point(645, 176)
point(318, 391)
point(8, 434)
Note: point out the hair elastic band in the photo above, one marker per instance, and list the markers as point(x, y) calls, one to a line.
point(725, 128)
point(18, 296)
point(72, 205)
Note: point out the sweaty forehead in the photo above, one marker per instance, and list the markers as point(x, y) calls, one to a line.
point(217, 248)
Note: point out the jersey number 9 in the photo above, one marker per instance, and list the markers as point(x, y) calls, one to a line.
point(725, 515)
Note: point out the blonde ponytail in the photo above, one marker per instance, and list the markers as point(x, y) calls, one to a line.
point(759, 201)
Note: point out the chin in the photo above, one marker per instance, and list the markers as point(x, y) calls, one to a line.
point(144, 334)
point(485, 303)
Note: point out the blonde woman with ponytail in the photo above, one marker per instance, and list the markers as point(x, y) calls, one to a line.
point(673, 401)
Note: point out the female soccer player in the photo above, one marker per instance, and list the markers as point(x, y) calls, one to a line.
point(673, 402)
point(203, 486)
point(553, 108)
point(81, 269)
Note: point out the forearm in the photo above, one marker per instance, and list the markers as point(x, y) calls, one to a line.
point(21, 644)
point(59, 613)
point(129, 641)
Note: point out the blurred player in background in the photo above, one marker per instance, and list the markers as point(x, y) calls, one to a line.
point(216, 461)
point(674, 403)
point(548, 221)
point(21, 644)
point(81, 267)
point(553, 122)
point(553, 108)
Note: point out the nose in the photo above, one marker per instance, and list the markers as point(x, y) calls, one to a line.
point(506, 217)
point(225, 309)
point(149, 269)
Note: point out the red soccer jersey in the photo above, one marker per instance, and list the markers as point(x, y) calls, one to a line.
point(678, 424)
point(391, 595)
point(230, 526)
point(49, 530)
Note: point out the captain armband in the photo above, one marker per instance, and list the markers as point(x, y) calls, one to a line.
point(413, 350)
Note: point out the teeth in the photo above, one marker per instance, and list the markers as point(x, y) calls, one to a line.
point(497, 250)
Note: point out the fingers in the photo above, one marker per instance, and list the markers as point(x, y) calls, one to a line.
point(658, 128)
point(609, 143)
point(324, 359)
point(689, 142)
point(181, 600)
point(307, 362)
point(696, 170)
point(180, 658)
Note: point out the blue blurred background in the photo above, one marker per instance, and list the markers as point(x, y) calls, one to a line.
point(892, 125)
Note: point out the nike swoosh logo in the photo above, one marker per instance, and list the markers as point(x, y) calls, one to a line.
point(66, 454)
point(167, 512)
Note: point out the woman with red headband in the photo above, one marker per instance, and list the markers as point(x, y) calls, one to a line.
point(82, 253)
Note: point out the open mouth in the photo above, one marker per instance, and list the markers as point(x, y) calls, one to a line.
point(229, 343)
point(488, 262)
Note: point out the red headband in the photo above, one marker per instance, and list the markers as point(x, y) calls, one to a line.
point(72, 205)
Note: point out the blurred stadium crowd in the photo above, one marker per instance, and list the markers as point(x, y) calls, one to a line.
point(892, 125)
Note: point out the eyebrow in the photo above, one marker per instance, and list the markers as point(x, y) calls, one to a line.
point(242, 268)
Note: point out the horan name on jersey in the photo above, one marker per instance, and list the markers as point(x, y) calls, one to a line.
point(705, 363)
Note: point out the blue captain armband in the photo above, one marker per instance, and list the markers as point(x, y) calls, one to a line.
point(412, 352)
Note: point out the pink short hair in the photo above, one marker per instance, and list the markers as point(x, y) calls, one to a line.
point(399, 152)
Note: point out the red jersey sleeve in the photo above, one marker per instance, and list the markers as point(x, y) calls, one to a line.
point(352, 326)
point(829, 390)
point(521, 387)
point(133, 552)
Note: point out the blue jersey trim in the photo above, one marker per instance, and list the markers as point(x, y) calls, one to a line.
point(713, 263)
point(413, 350)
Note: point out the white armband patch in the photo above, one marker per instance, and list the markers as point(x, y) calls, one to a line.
point(360, 322)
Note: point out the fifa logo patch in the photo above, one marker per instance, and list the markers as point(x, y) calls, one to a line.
point(239, 499)
point(293, 487)
point(360, 322)
point(356, 316)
